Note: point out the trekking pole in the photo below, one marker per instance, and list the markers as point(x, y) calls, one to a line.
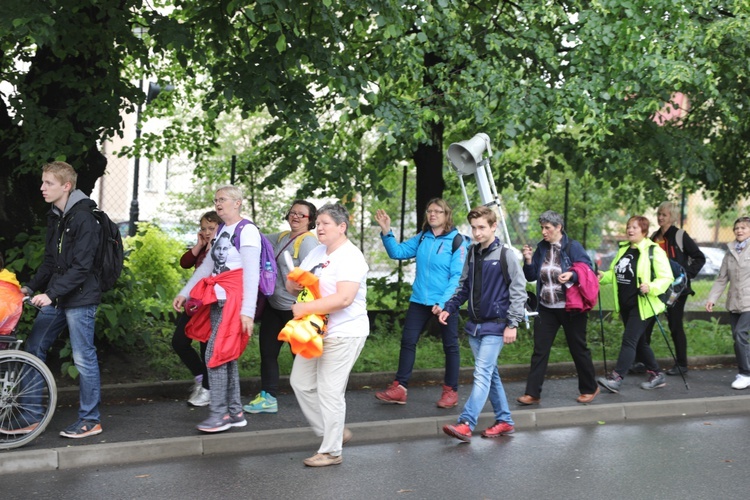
point(663, 333)
point(601, 320)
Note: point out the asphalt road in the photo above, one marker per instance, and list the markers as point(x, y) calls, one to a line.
point(675, 458)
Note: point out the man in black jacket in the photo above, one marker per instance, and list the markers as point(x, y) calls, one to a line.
point(69, 290)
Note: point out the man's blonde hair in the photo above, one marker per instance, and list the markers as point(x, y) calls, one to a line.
point(62, 172)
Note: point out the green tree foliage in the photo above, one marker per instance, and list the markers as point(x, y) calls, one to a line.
point(65, 67)
point(351, 88)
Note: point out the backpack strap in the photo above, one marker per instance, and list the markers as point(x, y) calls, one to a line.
point(297, 242)
point(504, 265)
point(679, 239)
point(281, 236)
point(458, 240)
point(235, 240)
point(651, 261)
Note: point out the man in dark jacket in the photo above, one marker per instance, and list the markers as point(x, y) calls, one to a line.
point(494, 286)
point(69, 290)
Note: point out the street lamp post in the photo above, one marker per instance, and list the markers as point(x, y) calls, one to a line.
point(153, 91)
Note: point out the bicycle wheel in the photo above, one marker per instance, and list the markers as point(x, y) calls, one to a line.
point(28, 396)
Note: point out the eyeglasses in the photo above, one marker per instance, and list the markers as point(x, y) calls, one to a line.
point(435, 212)
point(297, 215)
point(221, 201)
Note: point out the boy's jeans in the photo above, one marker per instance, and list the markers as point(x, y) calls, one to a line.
point(487, 382)
point(80, 321)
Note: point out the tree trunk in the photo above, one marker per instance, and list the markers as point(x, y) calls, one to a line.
point(22, 208)
point(428, 159)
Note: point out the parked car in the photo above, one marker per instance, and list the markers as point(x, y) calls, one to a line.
point(714, 256)
point(603, 259)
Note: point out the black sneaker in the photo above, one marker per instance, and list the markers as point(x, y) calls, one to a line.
point(82, 429)
point(676, 369)
point(637, 368)
point(611, 382)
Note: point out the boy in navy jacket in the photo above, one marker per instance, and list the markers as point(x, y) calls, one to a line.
point(493, 284)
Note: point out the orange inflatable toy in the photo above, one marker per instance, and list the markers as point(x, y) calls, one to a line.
point(305, 335)
point(11, 301)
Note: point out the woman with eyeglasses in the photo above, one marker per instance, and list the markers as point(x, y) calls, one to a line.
point(320, 383)
point(440, 251)
point(225, 287)
point(735, 271)
point(298, 242)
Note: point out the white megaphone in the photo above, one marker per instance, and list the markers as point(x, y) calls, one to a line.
point(467, 157)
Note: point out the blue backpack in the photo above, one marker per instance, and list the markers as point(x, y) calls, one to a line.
point(678, 286)
point(268, 269)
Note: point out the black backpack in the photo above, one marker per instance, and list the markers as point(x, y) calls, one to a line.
point(109, 255)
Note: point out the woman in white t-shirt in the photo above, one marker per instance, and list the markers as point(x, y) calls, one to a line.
point(320, 383)
point(224, 317)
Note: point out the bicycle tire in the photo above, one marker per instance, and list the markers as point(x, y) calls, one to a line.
point(22, 375)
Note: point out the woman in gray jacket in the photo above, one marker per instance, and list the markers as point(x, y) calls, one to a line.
point(735, 270)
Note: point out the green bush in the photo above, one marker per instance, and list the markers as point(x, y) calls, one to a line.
point(140, 304)
point(387, 293)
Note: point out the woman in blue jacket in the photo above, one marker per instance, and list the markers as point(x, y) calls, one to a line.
point(440, 251)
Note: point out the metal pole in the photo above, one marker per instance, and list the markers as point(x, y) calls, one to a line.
point(234, 169)
point(361, 223)
point(565, 210)
point(136, 168)
point(682, 207)
point(401, 234)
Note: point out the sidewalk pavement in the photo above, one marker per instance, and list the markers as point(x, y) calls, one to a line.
point(147, 422)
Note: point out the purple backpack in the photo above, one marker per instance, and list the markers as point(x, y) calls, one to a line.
point(268, 269)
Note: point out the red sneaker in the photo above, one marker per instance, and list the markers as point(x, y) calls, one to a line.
point(396, 393)
point(449, 398)
point(498, 429)
point(459, 431)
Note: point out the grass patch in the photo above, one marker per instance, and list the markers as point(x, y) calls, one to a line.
point(705, 338)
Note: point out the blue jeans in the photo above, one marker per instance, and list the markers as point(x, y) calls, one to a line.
point(80, 321)
point(416, 319)
point(487, 382)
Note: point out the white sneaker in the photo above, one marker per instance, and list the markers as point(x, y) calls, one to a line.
point(741, 382)
point(195, 390)
point(201, 398)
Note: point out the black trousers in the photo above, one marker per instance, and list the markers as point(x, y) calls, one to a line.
point(183, 346)
point(546, 326)
point(634, 342)
point(271, 323)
